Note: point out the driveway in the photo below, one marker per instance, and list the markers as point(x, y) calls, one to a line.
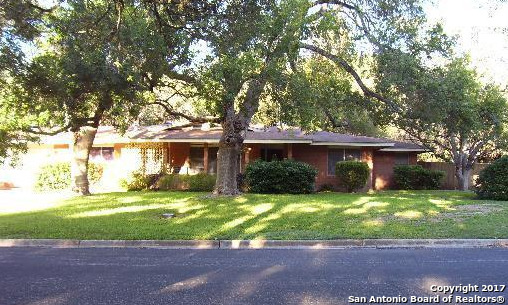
point(156, 276)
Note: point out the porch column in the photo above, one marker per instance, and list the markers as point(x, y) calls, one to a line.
point(290, 151)
point(205, 157)
point(165, 157)
point(368, 157)
point(117, 151)
point(247, 155)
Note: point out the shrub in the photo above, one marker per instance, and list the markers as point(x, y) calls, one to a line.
point(415, 177)
point(201, 182)
point(240, 181)
point(170, 183)
point(198, 183)
point(275, 177)
point(352, 175)
point(492, 182)
point(326, 188)
point(137, 181)
point(57, 176)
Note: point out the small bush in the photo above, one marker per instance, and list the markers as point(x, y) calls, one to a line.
point(201, 182)
point(276, 177)
point(415, 177)
point(197, 183)
point(57, 176)
point(326, 188)
point(240, 181)
point(492, 182)
point(138, 181)
point(352, 175)
point(171, 182)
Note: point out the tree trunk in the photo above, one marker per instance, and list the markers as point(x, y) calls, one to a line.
point(230, 146)
point(83, 141)
point(233, 128)
point(463, 174)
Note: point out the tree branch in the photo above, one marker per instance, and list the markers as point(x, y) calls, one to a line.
point(182, 77)
point(38, 131)
point(39, 8)
point(360, 19)
point(333, 121)
point(349, 69)
point(189, 118)
point(337, 2)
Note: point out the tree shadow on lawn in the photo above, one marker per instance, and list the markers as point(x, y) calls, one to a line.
point(254, 216)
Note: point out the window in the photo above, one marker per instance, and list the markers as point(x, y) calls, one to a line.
point(197, 159)
point(101, 154)
point(271, 154)
point(334, 156)
point(352, 155)
point(401, 159)
point(212, 159)
point(337, 155)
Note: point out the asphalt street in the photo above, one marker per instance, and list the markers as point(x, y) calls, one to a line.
point(156, 276)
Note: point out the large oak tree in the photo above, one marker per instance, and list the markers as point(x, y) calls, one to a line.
point(251, 44)
point(96, 63)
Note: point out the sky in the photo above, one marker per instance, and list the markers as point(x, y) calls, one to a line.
point(482, 30)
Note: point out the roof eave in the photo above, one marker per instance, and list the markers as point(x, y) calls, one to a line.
point(354, 144)
point(247, 141)
point(404, 149)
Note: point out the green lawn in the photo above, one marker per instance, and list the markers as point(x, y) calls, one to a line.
point(393, 214)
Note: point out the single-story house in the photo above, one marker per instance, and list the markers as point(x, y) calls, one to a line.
point(190, 150)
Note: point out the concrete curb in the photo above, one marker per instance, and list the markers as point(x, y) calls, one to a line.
point(163, 244)
point(291, 244)
point(259, 244)
point(69, 243)
point(54, 243)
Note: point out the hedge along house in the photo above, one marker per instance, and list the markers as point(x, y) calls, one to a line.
point(191, 150)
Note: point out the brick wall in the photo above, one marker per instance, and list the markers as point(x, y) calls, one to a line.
point(380, 163)
point(317, 156)
point(383, 168)
point(179, 155)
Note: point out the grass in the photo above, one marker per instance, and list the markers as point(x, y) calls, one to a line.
point(392, 214)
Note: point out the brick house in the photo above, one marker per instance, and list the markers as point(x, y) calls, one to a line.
point(189, 150)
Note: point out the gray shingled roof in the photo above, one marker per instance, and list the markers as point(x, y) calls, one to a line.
point(405, 146)
point(331, 137)
point(162, 133)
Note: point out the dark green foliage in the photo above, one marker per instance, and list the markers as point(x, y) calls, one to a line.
point(57, 176)
point(415, 177)
point(137, 181)
point(275, 177)
point(201, 182)
point(197, 183)
point(240, 181)
point(170, 182)
point(352, 175)
point(493, 181)
point(326, 188)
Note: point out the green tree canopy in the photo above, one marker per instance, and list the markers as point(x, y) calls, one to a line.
point(450, 111)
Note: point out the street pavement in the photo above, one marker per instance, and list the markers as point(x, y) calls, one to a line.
point(156, 276)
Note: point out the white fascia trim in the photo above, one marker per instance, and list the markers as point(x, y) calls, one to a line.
point(174, 140)
point(403, 149)
point(217, 141)
point(353, 144)
point(277, 141)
